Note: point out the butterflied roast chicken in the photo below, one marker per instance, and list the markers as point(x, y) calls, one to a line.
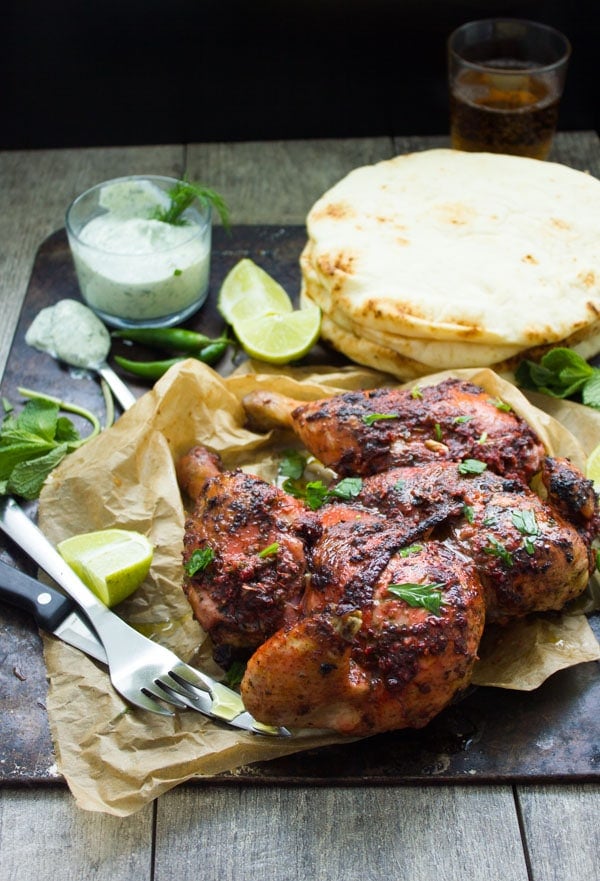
point(364, 614)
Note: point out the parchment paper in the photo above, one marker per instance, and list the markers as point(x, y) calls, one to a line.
point(116, 759)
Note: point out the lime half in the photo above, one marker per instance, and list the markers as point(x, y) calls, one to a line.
point(248, 291)
point(111, 562)
point(279, 338)
point(592, 468)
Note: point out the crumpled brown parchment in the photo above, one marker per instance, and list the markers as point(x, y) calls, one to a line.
point(116, 759)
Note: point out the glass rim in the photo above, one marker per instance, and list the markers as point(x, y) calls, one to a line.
point(483, 66)
point(197, 231)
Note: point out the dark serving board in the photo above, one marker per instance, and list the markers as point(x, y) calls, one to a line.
point(491, 735)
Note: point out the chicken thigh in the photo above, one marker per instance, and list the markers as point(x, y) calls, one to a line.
point(367, 660)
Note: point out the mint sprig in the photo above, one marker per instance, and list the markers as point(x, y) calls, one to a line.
point(562, 373)
point(36, 440)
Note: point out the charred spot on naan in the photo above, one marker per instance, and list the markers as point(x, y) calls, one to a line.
point(335, 264)
point(334, 211)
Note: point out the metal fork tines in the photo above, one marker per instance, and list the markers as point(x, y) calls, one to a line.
point(146, 674)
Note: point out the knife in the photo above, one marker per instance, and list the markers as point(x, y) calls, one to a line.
point(53, 611)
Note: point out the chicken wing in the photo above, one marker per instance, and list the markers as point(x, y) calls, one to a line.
point(365, 432)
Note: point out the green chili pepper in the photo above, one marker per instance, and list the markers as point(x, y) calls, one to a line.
point(155, 369)
point(147, 369)
point(211, 353)
point(173, 339)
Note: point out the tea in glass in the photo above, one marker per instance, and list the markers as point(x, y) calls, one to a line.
point(506, 80)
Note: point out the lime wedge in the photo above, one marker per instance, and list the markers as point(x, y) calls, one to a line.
point(592, 468)
point(111, 562)
point(279, 338)
point(248, 291)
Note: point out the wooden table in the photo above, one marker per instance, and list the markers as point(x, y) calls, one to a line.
point(468, 832)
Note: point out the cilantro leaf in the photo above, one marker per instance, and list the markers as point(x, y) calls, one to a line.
point(346, 489)
point(292, 465)
point(410, 549)
point(426, 596)
point(270, 550)
point(200, 559)
point(497, 549)
point(315, 493)
point(525, 522)
point(471, 466)
point(370, 418)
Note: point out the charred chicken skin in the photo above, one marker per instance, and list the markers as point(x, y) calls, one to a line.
point(365, 432)
point(324, 602)
point(240, 590)
point(528, 555)
point(370, 662)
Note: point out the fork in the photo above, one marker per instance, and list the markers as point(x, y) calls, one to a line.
point(145, 673)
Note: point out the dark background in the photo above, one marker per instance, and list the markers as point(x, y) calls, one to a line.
point(110, 72)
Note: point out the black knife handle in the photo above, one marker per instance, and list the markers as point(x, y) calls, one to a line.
point(48, 606)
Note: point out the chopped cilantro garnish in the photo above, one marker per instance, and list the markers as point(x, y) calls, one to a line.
point(426, 596)
point(315, 493)
point(471, 466)
point(370, 418)
point(199, 560)
point(496, 549)
point(270, 550)
point(410, 549)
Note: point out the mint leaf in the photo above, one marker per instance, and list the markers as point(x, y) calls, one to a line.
point(27, 478)
point(560, 373)
point(590, 393)
point(33, 442)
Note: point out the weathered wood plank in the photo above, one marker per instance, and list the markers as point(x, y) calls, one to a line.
point(561, 830)
point(339, 834)
point(279, 181)
point(44, 836)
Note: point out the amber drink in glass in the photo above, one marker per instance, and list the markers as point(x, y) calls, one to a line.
point(506, 78)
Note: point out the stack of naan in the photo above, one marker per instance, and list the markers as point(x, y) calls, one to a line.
point(444, 259)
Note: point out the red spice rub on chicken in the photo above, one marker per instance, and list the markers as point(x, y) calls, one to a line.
point(365, 615)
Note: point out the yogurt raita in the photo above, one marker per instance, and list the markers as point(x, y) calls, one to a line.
point(133, 269)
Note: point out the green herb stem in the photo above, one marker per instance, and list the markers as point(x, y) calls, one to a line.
point(69, 408)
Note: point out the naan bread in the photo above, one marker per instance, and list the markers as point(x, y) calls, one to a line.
point(446, 259)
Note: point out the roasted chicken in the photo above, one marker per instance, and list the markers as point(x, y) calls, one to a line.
point(365, 615)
